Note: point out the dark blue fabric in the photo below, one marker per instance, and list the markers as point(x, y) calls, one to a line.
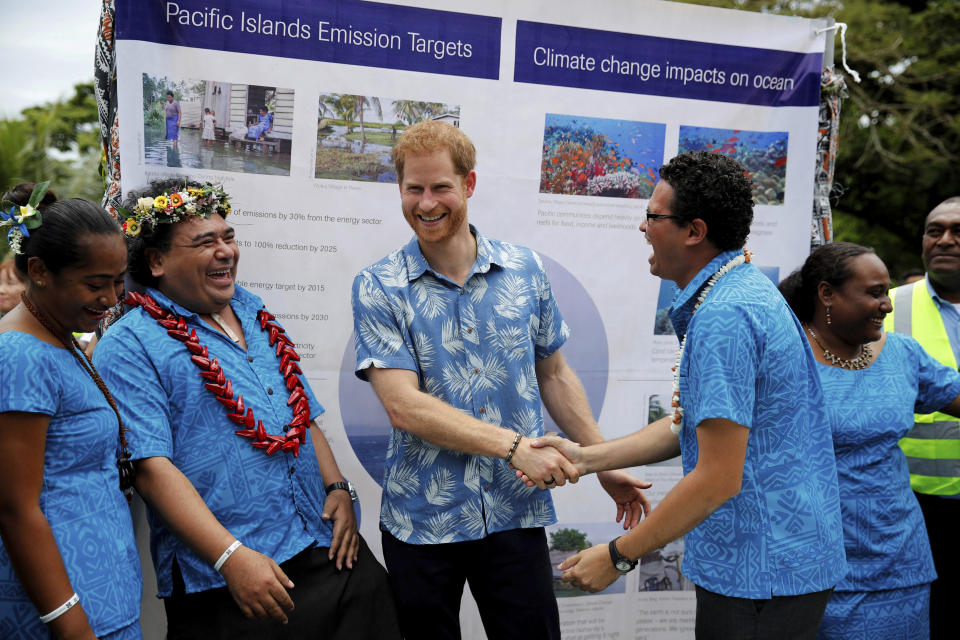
point(271, 504)
point(81, 498)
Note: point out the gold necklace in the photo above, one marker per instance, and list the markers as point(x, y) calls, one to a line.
point(854, 364)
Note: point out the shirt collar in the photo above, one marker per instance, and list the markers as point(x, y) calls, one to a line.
point(933, 294)
point(487, 255)
point(684, 296)
point(241, 298)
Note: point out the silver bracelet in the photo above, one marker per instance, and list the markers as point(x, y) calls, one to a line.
point(226, 554)
point(62, 609)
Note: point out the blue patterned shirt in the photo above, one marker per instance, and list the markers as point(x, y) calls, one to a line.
point(747, 361)
point(870, 410)
point(271, 504)
point(81, 496)
point(474, 347)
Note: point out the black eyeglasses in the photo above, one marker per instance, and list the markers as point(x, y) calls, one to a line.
point(657, 216)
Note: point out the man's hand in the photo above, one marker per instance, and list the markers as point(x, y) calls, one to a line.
point(546, 468)
point(625, 490)
point(345, 543)
point(258, 585)
point(590, 570)
point(569, 449)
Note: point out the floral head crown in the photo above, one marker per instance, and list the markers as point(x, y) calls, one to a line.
point(172, 205)
point(22, 218)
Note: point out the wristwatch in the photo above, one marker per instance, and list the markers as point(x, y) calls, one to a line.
point(346, 486)
point(620, 563)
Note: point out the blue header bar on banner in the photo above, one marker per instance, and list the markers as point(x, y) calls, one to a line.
point(358, 33)
point(564, 56)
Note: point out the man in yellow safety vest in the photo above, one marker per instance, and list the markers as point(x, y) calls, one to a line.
point(929, 310)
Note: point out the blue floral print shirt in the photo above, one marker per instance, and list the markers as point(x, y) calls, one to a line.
point(81, 496)
point(474, 347)
point(272, 504)
point(746, 360)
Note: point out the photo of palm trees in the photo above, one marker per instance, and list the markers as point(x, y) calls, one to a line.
point(356, 134)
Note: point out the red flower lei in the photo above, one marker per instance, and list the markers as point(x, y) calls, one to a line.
point(222, 388)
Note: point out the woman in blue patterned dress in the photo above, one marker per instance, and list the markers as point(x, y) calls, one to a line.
point(873, 382)
point(68, 561)
point(263, 126)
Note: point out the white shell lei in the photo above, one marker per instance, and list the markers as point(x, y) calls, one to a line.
point(676, 425)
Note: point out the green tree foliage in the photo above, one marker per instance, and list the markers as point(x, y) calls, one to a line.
point(58, 141)
point(568, 540)
point(900, 129)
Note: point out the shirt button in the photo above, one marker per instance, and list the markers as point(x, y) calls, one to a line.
point(291, 470)
point(470, 330)
point(476, 370)
point(249, 358)
point(482, 410)
point(486, 488)
point(269, 391)
point(462, 291)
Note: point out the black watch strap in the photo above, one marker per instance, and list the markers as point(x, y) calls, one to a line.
point(620, 563)
point(346, 486)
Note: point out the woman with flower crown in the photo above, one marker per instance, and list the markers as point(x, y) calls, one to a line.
point(873, 382)
point(68, 560)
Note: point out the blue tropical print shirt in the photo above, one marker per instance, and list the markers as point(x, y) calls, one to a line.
point(746, 360)
point(475, 347)
point(81, 496)
point(870, 410)
point(270, 503)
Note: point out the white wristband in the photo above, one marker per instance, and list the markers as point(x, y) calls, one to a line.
point(62, 609)
point(226, 554)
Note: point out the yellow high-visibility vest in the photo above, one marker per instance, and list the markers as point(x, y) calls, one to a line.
point(932, 447)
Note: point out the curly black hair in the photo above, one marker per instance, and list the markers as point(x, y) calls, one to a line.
point(151, 236)
point(714, 188)
point(829, 263)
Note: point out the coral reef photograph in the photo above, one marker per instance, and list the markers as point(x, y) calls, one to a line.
point(600, 157)
point(763, 153)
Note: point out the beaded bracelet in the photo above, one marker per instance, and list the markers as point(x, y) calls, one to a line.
point(513, 448)
point(226, 554)
point(62, 609)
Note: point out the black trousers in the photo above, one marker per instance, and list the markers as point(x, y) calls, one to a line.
point(779, 618)
point(941, 516)
point(351, 604)
point(509, 576)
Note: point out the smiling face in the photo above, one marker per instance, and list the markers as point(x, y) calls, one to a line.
point(941, 244)
point(199, 269)
point(434, 197)
point(666, 237)
point(79, 296)
point(860, 304)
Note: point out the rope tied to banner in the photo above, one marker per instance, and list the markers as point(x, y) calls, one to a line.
point(842, 28)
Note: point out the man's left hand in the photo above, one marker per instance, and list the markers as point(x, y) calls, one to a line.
point(626, 491)
point(345, 543)
point(590, 570)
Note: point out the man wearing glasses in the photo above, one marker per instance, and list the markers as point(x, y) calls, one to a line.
point(758, 502)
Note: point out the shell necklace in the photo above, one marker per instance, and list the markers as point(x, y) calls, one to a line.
point(854, 364)
point(676, 424)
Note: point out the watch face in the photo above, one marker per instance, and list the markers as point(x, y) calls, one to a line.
point(623, 566)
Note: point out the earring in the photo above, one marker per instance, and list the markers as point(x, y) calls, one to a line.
point(829, 321)
point(40, 284)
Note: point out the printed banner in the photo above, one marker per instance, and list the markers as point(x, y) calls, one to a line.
point(295, 107)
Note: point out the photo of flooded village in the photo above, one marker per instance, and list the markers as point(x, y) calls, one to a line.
point(207, 124)
point(567, 539)
point(763, 153)
point(356, 134)
point(600, 157)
